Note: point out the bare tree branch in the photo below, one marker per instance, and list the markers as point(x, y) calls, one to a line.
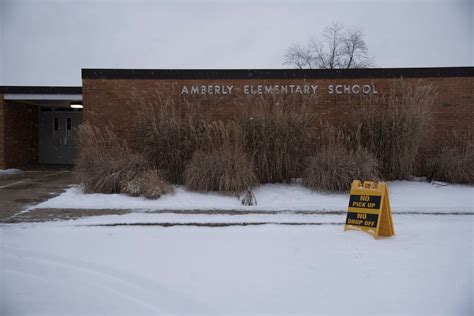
point(297, 56)
point(340, 47)
point(334, 38)
point(355, 49)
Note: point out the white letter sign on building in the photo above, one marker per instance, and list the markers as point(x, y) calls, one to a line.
point(259, 89)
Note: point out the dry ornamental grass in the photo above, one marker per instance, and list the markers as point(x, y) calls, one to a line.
point(394, 127)
point(147, 184)
point(221, 163)
point(278, 134)
point(455, 162)
point(168, 132)
point(273, 139)
point(107, 165)
point(334, 168)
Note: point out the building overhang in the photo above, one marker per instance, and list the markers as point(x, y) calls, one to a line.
point(42, 97)
point(41, 93)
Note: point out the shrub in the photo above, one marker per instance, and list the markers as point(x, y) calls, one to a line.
point(277, 133)
point(107, 165)
point(455, 162)
point(105, 160)
point(168, 132)
point(334, 168)
point(147, 184)
point(393, 127)
point(221, 164)
point(226, 170)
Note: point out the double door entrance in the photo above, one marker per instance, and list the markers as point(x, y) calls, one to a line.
point(58, 143)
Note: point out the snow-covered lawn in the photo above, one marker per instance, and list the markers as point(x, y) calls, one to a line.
point(65, 268)
point(83, 267)
point(405, 196)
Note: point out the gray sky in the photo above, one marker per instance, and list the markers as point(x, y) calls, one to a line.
point(48, 42)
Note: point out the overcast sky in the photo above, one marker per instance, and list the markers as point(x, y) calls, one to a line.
point(48, 42)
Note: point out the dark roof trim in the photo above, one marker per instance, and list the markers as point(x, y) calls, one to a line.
point(276, 73)
point(39, 90)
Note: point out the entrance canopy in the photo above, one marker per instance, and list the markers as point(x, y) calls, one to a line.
point(35, 93)
point(37, 124)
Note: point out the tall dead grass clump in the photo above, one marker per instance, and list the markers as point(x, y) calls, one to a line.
point(334, 167)
point(220, 164)
point(107, 165)
point(278, 134)
point(393, 127)
point(454, 162)
point(168, 132)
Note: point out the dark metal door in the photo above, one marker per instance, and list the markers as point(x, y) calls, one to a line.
point(58, 142)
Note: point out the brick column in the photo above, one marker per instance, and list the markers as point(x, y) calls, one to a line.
point(2, 133)
point(20, 134)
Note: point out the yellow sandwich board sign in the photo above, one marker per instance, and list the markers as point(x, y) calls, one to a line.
point(369, 209)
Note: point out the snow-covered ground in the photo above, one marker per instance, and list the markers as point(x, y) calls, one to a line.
point(64, 268)
point(405, 196)
point(136, 264)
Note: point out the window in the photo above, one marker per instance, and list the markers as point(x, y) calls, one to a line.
point(68, 126)
point(56, 124)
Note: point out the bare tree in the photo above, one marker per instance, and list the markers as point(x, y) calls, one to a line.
point(339, 47)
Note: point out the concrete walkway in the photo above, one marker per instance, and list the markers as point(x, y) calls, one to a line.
point(18, 191)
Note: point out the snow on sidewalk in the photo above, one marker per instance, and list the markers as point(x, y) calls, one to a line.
point(405, 196)
point(62, 268)
point(176, 218)
point(8, 172)
point(147, 218)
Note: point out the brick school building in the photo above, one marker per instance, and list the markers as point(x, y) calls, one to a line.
point(38, 124)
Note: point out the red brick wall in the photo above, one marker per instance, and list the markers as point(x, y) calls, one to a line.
point(2, 134)
point(20, 134)
point(111, 100)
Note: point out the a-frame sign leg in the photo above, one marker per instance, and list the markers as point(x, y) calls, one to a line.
point(386, 221)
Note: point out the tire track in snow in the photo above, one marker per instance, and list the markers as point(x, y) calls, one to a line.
point(90, 282)
point(134, 288)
